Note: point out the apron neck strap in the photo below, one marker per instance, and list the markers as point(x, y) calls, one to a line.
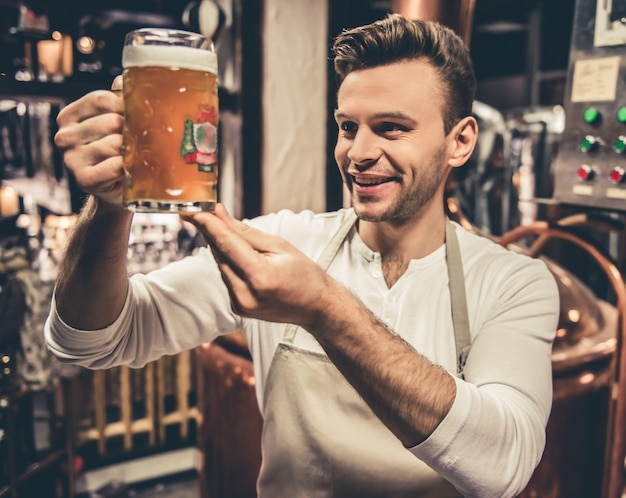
point(458, 298)
point(325, 259)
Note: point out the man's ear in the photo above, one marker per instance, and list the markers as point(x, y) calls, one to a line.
point(462, 141)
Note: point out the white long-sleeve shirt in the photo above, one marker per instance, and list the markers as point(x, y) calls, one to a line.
point(496, 427)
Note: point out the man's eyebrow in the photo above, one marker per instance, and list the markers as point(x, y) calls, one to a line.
point(396, 115)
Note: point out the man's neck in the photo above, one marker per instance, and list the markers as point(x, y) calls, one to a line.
point(398, 244)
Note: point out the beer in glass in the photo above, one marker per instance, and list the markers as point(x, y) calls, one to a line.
point(171, 121)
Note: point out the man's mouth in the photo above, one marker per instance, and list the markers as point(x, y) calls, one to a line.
point(368, 181)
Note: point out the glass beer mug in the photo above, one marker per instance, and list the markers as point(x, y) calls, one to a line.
point(171, 119)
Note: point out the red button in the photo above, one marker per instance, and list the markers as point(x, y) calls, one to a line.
point(617, 175)
point(584, 173)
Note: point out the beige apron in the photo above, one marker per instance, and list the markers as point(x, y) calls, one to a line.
point(320, 439)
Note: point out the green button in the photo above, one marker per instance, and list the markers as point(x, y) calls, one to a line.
point(586, 144)
point(621, 115)
point(591, 115)
point(620, 145)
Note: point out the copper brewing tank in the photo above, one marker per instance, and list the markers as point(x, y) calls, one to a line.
point(456, 14)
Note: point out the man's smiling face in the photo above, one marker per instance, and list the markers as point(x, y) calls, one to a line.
point(391, 145)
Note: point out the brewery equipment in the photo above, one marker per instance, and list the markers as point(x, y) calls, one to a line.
point(590, 169)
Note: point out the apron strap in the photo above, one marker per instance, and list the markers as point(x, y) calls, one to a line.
point(458, 298)
point(325, 259)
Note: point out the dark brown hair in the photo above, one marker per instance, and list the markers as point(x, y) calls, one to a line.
point(395, 39)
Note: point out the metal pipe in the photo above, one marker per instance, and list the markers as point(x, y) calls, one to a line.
point(458, 15)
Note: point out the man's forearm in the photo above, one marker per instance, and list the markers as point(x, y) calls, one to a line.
point(405, 390)
point(93, 278)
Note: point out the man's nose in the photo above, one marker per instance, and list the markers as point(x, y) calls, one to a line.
point(364, 148)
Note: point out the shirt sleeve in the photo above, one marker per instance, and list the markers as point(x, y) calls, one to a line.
point(174, 308)
point(498, 419)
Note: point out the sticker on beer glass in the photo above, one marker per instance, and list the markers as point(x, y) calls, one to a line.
point(199, 144)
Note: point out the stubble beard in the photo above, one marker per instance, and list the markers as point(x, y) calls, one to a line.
point(410, 206)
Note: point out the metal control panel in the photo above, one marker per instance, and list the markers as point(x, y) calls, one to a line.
point(590, 167)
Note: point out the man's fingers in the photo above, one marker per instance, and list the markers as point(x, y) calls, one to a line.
point(245, 255)
point(104, 148)
point(94, 103)
point(222, 213)
point(90, 130)
point(230, 245)
point(203, 218)
point(235, 283)
point(208, 225)
point(261, 241)
point(116, 86)
point(103, 175)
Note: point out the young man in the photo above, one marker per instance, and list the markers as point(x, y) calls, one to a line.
point(395, 354)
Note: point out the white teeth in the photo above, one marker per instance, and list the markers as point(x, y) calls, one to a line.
point(364, 180)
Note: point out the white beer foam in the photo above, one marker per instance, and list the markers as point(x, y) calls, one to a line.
point(169, 56)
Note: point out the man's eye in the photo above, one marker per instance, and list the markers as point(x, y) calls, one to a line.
point(348, 127)
point(391, 128)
